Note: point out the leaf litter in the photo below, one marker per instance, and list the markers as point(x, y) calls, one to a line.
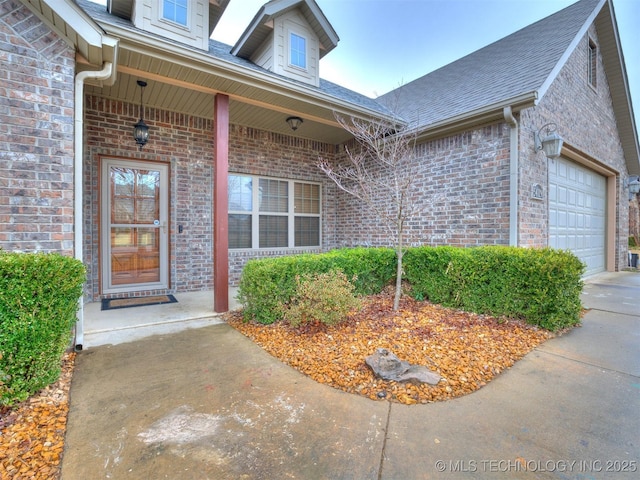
point(466, 349)
point(32, 432)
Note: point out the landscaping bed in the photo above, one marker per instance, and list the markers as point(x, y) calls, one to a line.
point(466, 349)
point(32, 432)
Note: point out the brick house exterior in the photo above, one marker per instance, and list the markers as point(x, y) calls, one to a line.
point(36, 134)
point(477, 168)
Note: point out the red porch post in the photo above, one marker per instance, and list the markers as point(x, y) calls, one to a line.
point(220, 208)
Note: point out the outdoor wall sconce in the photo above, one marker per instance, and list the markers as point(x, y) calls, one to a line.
point(551, 143)
point(294, 122)
point(633, 184)
point(140, 129)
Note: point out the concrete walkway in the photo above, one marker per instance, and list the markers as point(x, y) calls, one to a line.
point(209, 404)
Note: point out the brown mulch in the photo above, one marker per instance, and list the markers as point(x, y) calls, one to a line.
point(32, 432)
point(466, 349)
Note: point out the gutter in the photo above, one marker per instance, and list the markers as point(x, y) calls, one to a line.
point(483, 115)
point(513, 175)
point(143, 43)
point(78, 110)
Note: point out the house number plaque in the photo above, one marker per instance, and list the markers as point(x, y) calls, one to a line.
point(536, 191)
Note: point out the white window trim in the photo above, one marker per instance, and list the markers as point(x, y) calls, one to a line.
point(306, 50)
point(291, 214)
point(162, 18)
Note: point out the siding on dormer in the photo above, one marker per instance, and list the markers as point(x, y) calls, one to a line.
point(263, 56)
point(293, 22)
point(147, 16)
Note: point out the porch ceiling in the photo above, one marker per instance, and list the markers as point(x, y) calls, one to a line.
point(190, 88)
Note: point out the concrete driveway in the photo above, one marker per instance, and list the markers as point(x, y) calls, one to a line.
point(209, 404)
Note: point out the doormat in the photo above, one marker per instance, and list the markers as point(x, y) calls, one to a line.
point(113, 303)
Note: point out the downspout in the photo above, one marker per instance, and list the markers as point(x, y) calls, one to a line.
point(513, 176)
point(78, 150)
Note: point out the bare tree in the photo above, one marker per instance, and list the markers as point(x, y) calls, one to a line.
point(380, 172)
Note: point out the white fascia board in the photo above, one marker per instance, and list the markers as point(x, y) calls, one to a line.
point(140, 42)
point(77, 20)
point(567, 53)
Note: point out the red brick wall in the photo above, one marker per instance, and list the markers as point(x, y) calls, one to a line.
point(463, 182)
point(186, 144)
point(634, 219)
point(263, 153)
point(585, 119)
point(36, 134)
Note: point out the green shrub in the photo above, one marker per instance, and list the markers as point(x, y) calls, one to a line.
point(541, 286)
point(323, 297)
point(268, 284)
point(38, 300)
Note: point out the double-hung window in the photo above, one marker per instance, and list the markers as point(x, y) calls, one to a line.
point(273, 213)
point(175, 11)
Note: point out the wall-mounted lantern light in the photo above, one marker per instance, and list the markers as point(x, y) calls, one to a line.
point(550, 143)
point(633, 184)
point(294, 122)
point(140, 129)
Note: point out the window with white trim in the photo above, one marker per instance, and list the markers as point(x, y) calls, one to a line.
point(175, 11)
point(297, 50)
point(273, 213)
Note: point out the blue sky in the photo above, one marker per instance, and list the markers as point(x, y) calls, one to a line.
point(387, 43)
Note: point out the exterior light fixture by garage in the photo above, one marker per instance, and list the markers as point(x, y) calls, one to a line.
point(294, 122)
point(140, 129)
point(551, 143)
point(633, 184)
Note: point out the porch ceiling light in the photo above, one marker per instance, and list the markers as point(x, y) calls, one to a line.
point(294, 122)
point(633, 184)
point(550, 143)
point(140, 129)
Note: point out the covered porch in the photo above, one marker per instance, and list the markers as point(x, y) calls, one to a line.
point(123, 325)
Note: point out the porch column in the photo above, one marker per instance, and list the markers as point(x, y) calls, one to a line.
point(220, 208)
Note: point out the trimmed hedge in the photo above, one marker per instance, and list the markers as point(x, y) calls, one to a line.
point(268, 284)
point(541, 286)
point(38, 301)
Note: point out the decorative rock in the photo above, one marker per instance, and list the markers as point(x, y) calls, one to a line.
point(388, 366)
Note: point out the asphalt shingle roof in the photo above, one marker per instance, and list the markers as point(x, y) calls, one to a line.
point(515, 65)
point(222, 51)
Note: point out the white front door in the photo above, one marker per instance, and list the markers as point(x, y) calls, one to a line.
point(134, 225)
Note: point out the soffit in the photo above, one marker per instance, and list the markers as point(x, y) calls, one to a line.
point(73, 24)
point(186, 79)
point(191, 89)
point(611, 51)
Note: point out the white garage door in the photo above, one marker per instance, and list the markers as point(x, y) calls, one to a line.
point(577, 206)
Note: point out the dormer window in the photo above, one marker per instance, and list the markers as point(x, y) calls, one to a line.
point(175, 11)
point(298, 51)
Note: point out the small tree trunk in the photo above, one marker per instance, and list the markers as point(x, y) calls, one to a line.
point(396, 299)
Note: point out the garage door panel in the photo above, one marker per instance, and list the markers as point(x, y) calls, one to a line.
point(577, 206)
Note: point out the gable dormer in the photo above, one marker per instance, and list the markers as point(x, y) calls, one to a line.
point(288, 37)
point(186, 21)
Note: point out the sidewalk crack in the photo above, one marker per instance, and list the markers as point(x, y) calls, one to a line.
point(384, 442)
